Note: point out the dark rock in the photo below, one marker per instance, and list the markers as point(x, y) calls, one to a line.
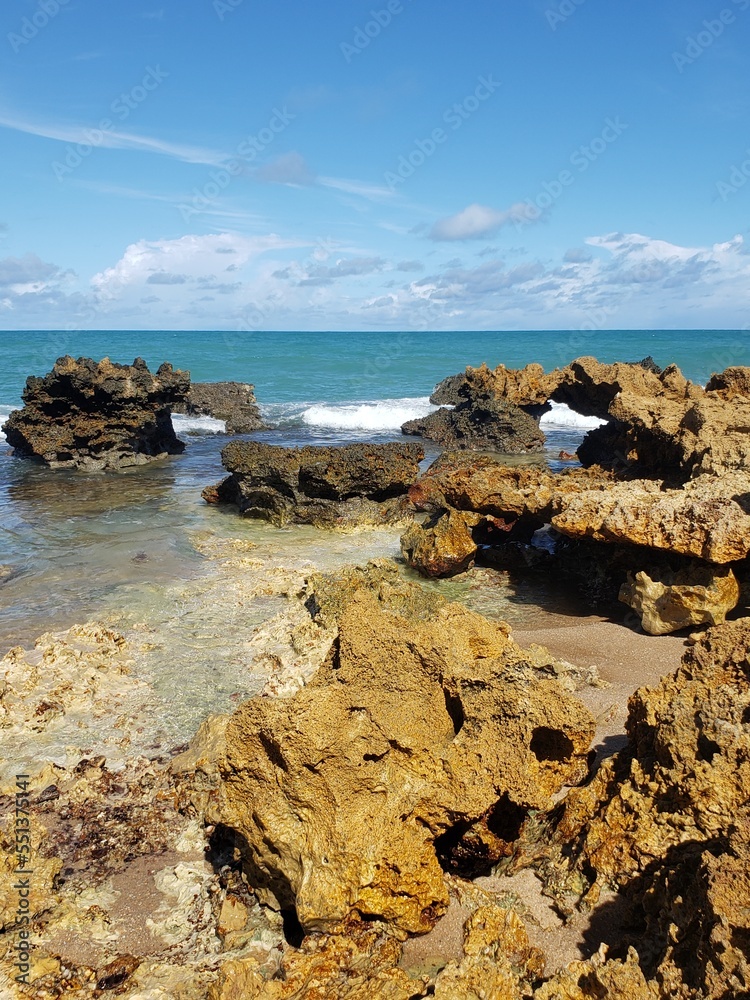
point(488, 415)
point(492, 425)
point(330, 487)
point(232, 402)
point(447, 392)
point(98, 416)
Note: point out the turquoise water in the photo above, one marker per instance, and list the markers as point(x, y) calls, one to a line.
point(334, 367)
point(71, 544)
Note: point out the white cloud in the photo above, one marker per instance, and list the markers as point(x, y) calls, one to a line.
point(476, 222)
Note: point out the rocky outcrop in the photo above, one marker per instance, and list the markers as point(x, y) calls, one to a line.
point(696, 595)
point(485, 416)
point(232, 402)
point(443, 545)
point(98, 416)
point(347, 797)
point(666, 822)
point(701, 520)
point(330, 487)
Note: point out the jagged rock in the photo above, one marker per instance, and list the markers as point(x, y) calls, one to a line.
point(600, 979)
point(331, 487)
point(409, 731)
point(443, 545)
point(98, 416)
point(701, 520)
point(666, 821)
point(446, 393)
point(483, 485)
point(698, 595)
point(589, 387)
point(232, 402)
point(484, 417)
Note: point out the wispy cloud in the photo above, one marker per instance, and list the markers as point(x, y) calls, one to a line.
point(112, 139)
point(373, 192)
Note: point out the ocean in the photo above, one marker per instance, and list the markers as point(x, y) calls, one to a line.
point(122, 548)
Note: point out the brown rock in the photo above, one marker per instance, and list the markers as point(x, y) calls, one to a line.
point(483, 485)
point(409, 730)
point(696, 596)
point(98, 416)
point(443, 545)
point(331, 487)
point(702, 520)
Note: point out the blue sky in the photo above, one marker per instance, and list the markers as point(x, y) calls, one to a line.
point(242, 164)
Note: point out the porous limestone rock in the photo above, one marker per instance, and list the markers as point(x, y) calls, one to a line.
point(485, 416)
point(697, 595)
point(232, 402)
point(330, 487)
point(683, 784)
point(409, 731)
point(443, 545)
point(701, 520)
point(98, 416)
point(667, 821)
point(481, 484)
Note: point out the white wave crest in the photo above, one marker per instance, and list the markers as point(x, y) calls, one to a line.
point(562, 416)
point(197, 425)
point(380, 415)
point(5, 412)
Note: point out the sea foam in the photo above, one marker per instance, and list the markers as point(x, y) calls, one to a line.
point(377, 415)
point(5, 412)
point(562, 416)
point(197, 425)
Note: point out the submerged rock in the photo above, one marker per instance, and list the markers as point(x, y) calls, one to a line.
point(232, 402)
point(330, 487)
point(346, 796)
point(98, 415)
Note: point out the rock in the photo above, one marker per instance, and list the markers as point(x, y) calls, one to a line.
point(232, 402)
point(481, 484)
point(485, 417)
point(98, 416)
point(443, 545)
point(701, 520)
point(327, 595)
point(696, 596)
point(409, 732)
point(446, 393)
point(589, 387)
point(492, 426)
point(330, 487)
point(666, 821)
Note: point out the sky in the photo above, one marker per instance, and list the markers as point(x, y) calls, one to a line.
point(385, 165)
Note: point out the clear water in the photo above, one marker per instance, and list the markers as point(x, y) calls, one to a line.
point(122, 547)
